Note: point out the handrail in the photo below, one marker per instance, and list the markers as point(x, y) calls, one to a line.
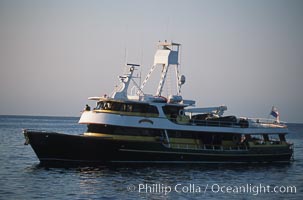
point(241, 123)
point(209, 147)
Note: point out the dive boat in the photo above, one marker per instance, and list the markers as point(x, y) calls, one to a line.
point(131, 126)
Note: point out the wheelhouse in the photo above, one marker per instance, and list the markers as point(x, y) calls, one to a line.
point(127, 108)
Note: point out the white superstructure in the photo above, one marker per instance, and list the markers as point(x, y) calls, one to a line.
point(182, 117)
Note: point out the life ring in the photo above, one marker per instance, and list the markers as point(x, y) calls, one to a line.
point(181, 112)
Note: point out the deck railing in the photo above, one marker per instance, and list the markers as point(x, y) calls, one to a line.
point(241, 123)
point(209, 147)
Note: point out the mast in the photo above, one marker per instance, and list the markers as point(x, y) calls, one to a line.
point(121, 92)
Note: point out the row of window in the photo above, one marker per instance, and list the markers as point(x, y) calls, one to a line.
point(127, 107)
point(118, 130)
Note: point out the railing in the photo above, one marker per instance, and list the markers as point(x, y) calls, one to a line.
point(241, 123)
point(209, 147)
point(214, 123)
point(266, 123)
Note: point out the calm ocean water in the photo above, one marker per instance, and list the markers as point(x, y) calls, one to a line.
point(21, 177)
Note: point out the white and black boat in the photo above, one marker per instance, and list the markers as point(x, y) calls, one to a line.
point(131, 126)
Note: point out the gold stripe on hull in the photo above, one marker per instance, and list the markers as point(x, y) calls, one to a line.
point(124, 137)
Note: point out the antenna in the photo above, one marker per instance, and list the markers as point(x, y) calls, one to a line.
point(125, 45)
point(141, 62)
point(167, 27)
point(125, 55)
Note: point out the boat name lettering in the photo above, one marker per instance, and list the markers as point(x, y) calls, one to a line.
point(146, 120)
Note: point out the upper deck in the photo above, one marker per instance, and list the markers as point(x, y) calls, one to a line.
point(180, 116)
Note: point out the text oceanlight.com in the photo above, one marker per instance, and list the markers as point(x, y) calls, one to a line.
point(253, 189)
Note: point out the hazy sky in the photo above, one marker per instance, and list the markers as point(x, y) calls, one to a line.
point(245, 54)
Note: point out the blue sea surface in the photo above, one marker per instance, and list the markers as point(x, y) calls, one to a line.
point(21, 176)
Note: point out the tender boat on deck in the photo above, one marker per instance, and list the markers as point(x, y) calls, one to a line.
point(131, 126)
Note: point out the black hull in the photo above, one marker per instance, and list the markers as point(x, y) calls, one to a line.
point(63, 149)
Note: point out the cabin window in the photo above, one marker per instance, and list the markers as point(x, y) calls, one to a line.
point(282, 137)
point(265, 137)
point(152, 109)
point(136, 131)
point(99, 128)
point(99, 105)
point(127, 107)
point(172, 111)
